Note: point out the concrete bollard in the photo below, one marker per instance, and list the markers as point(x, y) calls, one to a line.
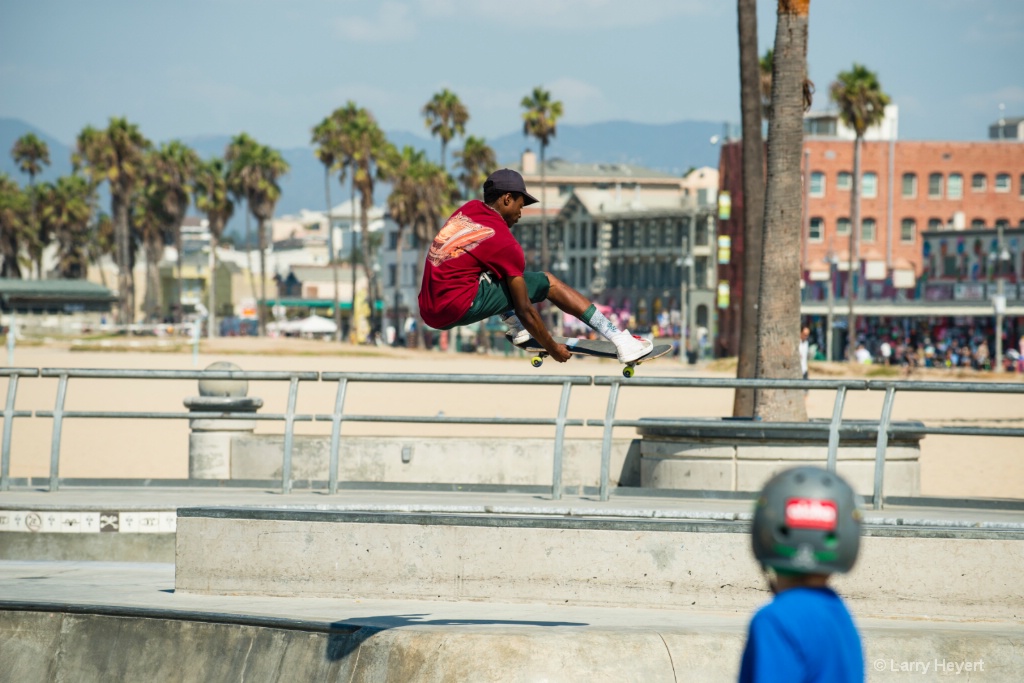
point(211, 439)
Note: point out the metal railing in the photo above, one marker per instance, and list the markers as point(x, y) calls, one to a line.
point(834, 428)
point(12, 375)
point(64, 375)
point(560, 422)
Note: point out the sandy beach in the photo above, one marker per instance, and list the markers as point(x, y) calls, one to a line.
point(950, 466)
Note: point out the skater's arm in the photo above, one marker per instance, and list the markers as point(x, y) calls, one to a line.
point(530, 319)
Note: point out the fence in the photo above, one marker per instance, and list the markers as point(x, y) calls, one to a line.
point(834, 429)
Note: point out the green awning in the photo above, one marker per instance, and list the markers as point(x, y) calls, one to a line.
point(316, 303)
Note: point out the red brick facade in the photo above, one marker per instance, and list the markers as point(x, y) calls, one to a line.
point(990, 160)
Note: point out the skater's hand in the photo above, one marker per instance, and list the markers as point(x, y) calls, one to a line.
point(560, 352)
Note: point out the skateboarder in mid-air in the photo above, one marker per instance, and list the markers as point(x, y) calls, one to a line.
point(475, 268)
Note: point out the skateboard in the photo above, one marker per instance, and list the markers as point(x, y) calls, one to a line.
point(595, 348)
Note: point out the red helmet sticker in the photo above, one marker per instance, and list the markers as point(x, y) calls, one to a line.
point(810, 513)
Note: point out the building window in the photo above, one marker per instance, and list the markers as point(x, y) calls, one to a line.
point(817, 229)
point(1003, 223)
point(392, 274)
point(870, 185)
point(978, 182)
point(843, 226)
point(1003, 182)
point(935, 186)
point(817, 184)
point(977, 223)
point(910, 185)
point(1020, 187)
point(955, 186)
point(908, 230)
point(935, 224)
point(867, 230)
point(844, 181)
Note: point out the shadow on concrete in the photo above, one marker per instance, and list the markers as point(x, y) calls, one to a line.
point(342, 642)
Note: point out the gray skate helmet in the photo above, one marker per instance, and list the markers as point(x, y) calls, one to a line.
point(807, 522)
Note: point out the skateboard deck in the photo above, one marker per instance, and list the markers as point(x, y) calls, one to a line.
point(595, 348)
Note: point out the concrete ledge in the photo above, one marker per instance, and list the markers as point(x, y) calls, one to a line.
point(93, 644)
point(639, 563)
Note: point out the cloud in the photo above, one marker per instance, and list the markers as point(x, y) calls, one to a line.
point(581, 101)
point(392, 23)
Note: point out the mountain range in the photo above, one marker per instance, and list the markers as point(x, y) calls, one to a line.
point(672, 148)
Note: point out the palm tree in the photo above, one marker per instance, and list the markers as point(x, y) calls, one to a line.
point(101, 239)
point(438, 194)
point(15, 226)
point(752, 100)
point(213, 198)
point(238, 148)
point(477, 159)
point(861, 103)
point(371, 157)
point(779, 301)
point(446, 117)
point(115, 155)
point(174, 166)
point(540, 120)
point(66, 212)
point(404, 206)
point(325, 137)
point(149, 228)
point(258, 169)
point(31, 154)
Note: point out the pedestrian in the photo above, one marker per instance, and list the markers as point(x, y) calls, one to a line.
point(475, 269)
point(806, 528)
point(805, 350)
point(886, 351)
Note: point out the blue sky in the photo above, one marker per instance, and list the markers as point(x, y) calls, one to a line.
point(274, 68)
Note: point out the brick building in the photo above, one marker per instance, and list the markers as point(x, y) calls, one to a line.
point(908, 188)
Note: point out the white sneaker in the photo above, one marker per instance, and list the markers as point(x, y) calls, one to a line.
point(630, 348)
point(516, 333)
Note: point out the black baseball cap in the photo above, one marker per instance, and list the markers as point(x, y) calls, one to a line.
point(508, 180)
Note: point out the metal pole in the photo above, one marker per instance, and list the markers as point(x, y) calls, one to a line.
point(5, 448)
point(1000, 302)
point(58, 422)
point(556, 476)
point(831, 309)
point(606, 442)
point(833, 430)
point(684, 309)
point(339, 406)
point(289, 436)
point(881, 444)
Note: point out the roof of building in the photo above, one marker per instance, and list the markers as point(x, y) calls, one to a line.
point(598, 203)
point(560, 168)
point(78, 290)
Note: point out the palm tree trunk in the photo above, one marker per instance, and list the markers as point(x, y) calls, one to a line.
point(779, 304)
point(333, 256)
point(212, 320)
point(398, 280)
point(366, 201)
point(120, 211)
point(853, 271)
point(753, 202)
point(179, 312)
point(248, 250)
point(262, 303)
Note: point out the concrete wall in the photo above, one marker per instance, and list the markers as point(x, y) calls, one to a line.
point(39, 647)
point(437, 460)
point(578, 562)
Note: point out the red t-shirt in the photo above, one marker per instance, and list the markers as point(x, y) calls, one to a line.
point(474, 240)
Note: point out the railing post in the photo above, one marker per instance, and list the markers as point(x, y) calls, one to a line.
point(58, 423)
point(5, 447)
point(563, 409)
point(339, 407)
point(606, 441)
point(882, 444)
point(289, 431)
point(833, 430)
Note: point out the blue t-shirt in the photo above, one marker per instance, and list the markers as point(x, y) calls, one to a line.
point(804, 635)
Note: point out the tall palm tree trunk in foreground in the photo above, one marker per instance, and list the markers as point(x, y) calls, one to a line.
point(779, 304)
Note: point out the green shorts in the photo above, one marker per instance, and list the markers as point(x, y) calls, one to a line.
point(493, 297)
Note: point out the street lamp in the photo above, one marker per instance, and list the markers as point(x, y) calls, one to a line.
point(685, 261)
point(831, 260)
point(999, 301)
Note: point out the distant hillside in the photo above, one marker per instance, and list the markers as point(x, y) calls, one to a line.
point(672, 148)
